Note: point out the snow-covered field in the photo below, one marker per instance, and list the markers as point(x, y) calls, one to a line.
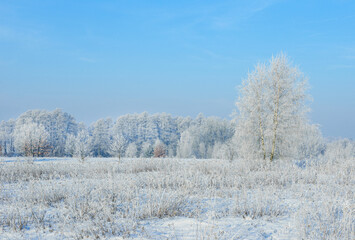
point(59, 198)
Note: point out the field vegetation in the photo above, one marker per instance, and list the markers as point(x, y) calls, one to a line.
point(134, 198)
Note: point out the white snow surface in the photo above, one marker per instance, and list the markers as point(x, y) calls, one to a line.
point(61, 198)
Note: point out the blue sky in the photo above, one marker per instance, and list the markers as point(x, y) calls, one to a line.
point(98, 59)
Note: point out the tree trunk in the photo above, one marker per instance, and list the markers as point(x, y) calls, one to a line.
point(261, 130)
point(275, 121)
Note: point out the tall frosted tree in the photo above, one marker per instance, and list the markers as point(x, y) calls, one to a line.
point(131, 150)
point(186, 145)
point(70, 145)
point(272, 110)
point(7, 137)
point(82, 148)
point(101, 138)
point(117, 146)
point(147, 150)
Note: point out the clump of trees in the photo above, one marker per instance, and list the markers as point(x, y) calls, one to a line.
point(32, 140)
point(37, 133)
point(43, 133)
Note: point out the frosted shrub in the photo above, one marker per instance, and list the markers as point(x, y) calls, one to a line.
point(259, 203)
point(161, 204)
point(330, 220)
point(142, 165)
point(150, 165)
point(24, 171)
point(47, 192)
point(16, 218)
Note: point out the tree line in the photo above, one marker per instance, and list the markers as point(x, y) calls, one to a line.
point(271, 122)
point(39, 133)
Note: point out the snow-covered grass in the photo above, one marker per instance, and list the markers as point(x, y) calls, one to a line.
point(177, 199)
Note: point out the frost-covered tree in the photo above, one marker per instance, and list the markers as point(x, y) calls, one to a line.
point(61, 124)
point(101, 137)
point(70, 145)
point(185, 147)
point(272, 110)
point(31, 139)
point(159, 149)
point(225, 150)
point(312, 143)
point(117, 146)
point(82, 149)
point(147, 150)
point(131, 150)
point(7, 137)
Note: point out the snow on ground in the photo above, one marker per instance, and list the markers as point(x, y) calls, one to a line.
point(60, 198)
point(224, 228)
